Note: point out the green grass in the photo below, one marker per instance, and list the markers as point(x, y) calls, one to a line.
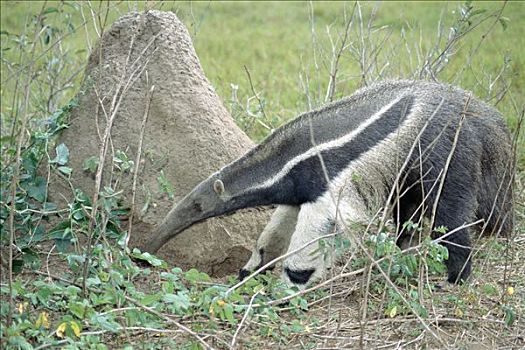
point(274, 41)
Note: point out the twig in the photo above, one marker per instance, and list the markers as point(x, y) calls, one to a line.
point(334, 64)
point(407, 160)
point(261, 106)
point(137, 160)
point(16, 171)
point(237, 331)
point(447, 163)
point(120, 92)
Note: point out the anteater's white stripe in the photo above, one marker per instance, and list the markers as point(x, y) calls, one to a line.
point(325, 146)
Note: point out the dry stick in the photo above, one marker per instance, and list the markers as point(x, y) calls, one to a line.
point(334, 64)
point(363, 320)
point(305, 82)
point(363, 47)
point(336, 201)
point(317, 301)
point(447, 163)
point(315, 287)
point(232, 346)
point(101, 159)
point(512, 215)
point(407, 160)
point(100, 27)
point(326, 178)
point(33, 60)
point(433, 67)
point(16, 174)
point(468, 64)
point(315, 49)
point(88, 38)
point(137, 160)
point(511, 168)
point(331, 255)
point(119, 94)
point(261, 106)
point(14, 104)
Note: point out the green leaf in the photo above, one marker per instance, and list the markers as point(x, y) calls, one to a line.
point(19, 342)
point(38, 189)
point(296, 327)
point(30, 163)
point(165, 186)
point(504, 22)
point(180, 300)
point(49, 206)
point(18, 264)
point(50, 10)
point(510, 315)
point(477, 12)
point(47, 37)
point(75, 261)
point(91, 164)
point(77, 309)
point(391, 311)
point(150, 299)
point(121, 161)
point(151, 259)
point(62, 154)
point(63, 245)
point(78, 215)
point(65, 170)
point(194, 275)
point(106, 324)
point(228, 313)
point(31, 259)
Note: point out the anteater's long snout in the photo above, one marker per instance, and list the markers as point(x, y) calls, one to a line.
point(201, 203)
point(182, 216)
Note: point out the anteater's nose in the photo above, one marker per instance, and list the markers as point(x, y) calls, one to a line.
point(299, 276)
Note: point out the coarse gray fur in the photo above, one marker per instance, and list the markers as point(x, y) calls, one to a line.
point(354, 149)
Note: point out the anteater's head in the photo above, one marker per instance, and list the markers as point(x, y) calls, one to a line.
point(208, 199)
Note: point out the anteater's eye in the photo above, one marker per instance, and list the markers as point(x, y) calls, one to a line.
point(218, 187)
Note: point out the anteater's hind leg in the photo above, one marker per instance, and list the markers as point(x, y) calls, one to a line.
point(457, 207)
point(274, 240)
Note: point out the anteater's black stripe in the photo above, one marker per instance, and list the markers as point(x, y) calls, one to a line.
point(306, 181)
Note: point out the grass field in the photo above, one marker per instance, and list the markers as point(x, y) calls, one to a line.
point(274, 41)
point(269, 62)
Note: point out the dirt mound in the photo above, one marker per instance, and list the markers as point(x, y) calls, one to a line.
point(188, 135)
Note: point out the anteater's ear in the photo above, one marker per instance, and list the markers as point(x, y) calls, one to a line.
point(218, 187)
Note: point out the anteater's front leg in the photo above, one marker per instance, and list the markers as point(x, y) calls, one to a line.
point(274, 239)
